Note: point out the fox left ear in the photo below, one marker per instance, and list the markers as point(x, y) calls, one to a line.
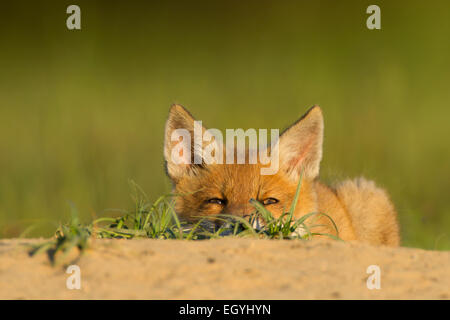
point(183, 157)
point(300, 146)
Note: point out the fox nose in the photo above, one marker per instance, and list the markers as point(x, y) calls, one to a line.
point(241, 210)
point(245, 210)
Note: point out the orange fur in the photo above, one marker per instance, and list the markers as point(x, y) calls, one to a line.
point(361, 211)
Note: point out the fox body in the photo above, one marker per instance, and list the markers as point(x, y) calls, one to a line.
point(361, 210)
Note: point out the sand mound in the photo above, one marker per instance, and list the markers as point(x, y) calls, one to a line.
point(227, 269)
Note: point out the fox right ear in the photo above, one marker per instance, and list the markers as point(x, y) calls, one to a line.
point(301, 145)
point(179, 142)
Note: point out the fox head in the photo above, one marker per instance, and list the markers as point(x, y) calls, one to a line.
point(211, 189)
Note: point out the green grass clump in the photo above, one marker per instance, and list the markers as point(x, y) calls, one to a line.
point(158, 220)
point(69, 237)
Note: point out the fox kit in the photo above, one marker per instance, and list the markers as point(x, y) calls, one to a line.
point(360, 210)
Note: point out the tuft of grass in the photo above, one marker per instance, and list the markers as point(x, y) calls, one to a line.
point(68, 238)
point(158, 220)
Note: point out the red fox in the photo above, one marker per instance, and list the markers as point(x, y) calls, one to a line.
point(360, 210)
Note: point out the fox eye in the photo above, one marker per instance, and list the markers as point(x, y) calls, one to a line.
point(218, 201)
point(269, 201)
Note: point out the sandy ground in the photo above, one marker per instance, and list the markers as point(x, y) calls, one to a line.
point(227, 269)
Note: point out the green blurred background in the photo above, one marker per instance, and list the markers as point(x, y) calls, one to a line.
point(82, 112)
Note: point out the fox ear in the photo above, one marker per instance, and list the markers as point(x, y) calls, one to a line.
point(179, 142)
point(300, 146)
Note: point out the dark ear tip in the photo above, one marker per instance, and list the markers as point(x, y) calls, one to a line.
point(176, 107)
point(315, 112)
point(315, 108)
